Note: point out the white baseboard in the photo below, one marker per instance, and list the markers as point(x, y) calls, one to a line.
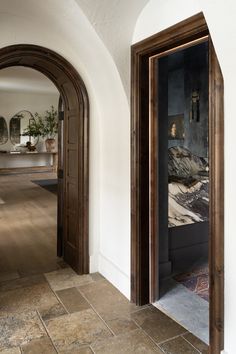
point(93, 263)
point(115, 275)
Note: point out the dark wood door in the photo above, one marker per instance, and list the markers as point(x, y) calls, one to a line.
point(71, 187)
point(68, 222)
point(72, 180)
point(216, 164)
point(60, 165)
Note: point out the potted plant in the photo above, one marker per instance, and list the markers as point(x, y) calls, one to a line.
point(48, 127)
point(33, 130)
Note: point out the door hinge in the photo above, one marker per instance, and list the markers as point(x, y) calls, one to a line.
point(61, 115)
point(60, 173)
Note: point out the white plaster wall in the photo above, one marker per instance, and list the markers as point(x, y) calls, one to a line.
point(61, 26)
point(220, 16)
point(114, 21)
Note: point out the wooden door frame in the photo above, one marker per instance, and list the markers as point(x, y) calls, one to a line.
point(59, 71)
point(143, 223)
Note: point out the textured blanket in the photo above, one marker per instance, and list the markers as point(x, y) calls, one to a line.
point(188, 188)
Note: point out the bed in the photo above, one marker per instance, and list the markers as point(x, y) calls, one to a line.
point(188, 187)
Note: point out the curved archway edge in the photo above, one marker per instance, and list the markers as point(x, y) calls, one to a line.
point(73, 199)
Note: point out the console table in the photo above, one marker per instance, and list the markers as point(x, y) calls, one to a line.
point(28, 162)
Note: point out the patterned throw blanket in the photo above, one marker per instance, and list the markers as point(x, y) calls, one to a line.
point(188, 188)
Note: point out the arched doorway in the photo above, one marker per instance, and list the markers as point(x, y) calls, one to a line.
point(73, 161)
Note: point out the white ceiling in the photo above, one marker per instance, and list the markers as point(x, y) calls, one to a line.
point(21, 79)
point(114, 22)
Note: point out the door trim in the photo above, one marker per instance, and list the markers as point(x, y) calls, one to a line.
point(68, 82)
point(143, 224)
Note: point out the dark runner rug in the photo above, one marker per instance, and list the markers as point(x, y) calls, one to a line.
point(48, 184)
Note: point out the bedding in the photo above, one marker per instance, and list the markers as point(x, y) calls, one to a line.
point(188, 187)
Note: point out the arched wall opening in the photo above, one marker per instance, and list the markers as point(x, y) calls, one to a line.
point(73, 166)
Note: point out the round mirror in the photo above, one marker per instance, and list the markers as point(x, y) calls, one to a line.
point(3, 131)
point(20, 124)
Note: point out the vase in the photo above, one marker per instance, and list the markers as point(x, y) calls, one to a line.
point(50, 145)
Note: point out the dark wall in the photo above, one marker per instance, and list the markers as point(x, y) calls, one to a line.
point(163, 166)
point(188, 71)
point(196, 77)
point(180, 74)
point(187, 244)
point(176, 98)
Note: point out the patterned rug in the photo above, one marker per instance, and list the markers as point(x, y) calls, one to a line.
point(196, 281)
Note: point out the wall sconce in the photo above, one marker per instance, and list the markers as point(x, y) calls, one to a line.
point(195, 106)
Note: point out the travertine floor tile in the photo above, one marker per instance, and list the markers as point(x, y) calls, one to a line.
point(22, 282)
point(62, 264)
point(121, 325)
point(132, 343)
point(39, 346)
point(52, 312)
point(96, 276)
point(72, 333)
point(80, 350)
point(85, 351)
point(36, 297)
point(50, 266)
point(66, 278)
point(8, 276)
point(178, 346)
point(107, 300)
point(157, 325)
point(19, 329)
point(11, 351)
point(197, 343)
point(69, 332)
point(73, 300)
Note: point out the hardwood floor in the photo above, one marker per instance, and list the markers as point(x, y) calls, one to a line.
point(28, 216)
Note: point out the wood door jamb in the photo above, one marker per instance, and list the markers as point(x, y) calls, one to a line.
point(142, 209)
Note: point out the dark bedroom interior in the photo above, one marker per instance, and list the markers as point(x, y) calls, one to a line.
point(183, 173)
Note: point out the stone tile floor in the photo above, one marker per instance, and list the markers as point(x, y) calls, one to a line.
point(192, 312)
point(62, 312)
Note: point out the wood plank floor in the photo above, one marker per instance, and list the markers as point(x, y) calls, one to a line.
point(28, 216)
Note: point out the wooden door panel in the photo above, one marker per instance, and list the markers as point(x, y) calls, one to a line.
point(60, 198)
point(73, 133)
point(216, 164)
point(72, 196)
point(72, 229)
point(72, 171)
point(71, 175)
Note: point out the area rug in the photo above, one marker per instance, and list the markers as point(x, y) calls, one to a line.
point(196, 281)
point(48, 184)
